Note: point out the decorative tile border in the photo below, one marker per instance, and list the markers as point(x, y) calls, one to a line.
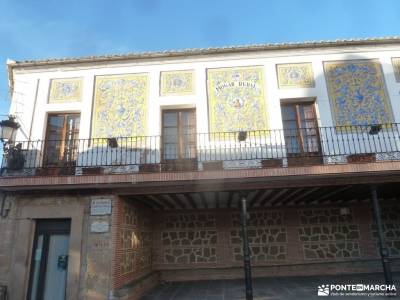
point(297, 75)
point(65, 90)
point(177, 83)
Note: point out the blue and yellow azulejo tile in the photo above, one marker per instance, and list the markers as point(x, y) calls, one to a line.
point(236, 99)
point(296, 75)
point(396, 67)
point(65, 90)
point(120, 106)
point(357, 93)
point(177, 83)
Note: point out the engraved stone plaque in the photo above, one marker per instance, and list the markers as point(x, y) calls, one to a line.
point(100, 207)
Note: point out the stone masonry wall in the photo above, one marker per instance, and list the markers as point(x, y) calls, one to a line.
point(298, 240)
point(326, 234)
point(187, 238)
point(391, 224)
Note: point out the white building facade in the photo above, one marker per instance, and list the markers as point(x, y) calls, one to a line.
point(155, 141)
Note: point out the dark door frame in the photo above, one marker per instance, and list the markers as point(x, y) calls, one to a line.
point(47, 227)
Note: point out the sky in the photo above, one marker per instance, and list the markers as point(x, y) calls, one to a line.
point(41, 29)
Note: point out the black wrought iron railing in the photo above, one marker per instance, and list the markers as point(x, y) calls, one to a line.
point(207, 151)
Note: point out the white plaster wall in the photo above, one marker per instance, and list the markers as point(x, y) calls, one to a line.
point(29, 81)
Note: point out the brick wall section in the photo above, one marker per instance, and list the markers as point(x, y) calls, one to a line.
point(133, 242)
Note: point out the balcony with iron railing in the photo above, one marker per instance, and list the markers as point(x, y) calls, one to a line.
point(204, 151)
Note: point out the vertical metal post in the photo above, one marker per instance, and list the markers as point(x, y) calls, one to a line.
point(246, 250)
point(382, 245)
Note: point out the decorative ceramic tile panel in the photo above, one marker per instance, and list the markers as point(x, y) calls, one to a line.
point(295, 75)
point(177, 83)
point(65, 90)
point(396, 67)
point(120, 106)
point(357, 93)
point(236, 99)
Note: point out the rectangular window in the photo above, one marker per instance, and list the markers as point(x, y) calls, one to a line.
point(61, 139)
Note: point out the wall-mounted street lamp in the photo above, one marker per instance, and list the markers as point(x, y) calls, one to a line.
point(8, 130)
point(14, 156)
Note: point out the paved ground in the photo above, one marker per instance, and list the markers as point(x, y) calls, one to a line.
point(286, 288)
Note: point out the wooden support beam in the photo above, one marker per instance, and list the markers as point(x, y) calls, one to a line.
point(154, 199)
point(274, 197)
point(178, 201)
point(326, 197)
point(310, 191)
point(203, 199)
point(231, 195)
point(313, 196)
point(193, 201)
point(150, 204)
point(288, 197)
point(216, 199)
point(190, 200)
point(259, 196)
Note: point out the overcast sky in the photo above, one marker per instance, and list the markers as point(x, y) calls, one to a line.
point(33, 29)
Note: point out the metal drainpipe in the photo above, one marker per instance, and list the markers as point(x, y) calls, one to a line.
point(246, 250)
point(382, 244)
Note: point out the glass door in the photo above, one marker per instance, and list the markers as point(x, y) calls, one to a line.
point(61, 141)
point(301, 133)
point(179, 139)
point(49, 267)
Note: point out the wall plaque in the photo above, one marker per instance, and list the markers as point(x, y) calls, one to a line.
point(100, 207)
point(99, 226)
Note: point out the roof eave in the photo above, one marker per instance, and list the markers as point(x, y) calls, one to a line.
point(205, 51)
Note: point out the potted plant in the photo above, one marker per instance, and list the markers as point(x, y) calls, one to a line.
point(15, 157)
point(361, 158)
point(242, 136)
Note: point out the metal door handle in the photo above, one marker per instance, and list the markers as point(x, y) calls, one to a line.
point(62, 262)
